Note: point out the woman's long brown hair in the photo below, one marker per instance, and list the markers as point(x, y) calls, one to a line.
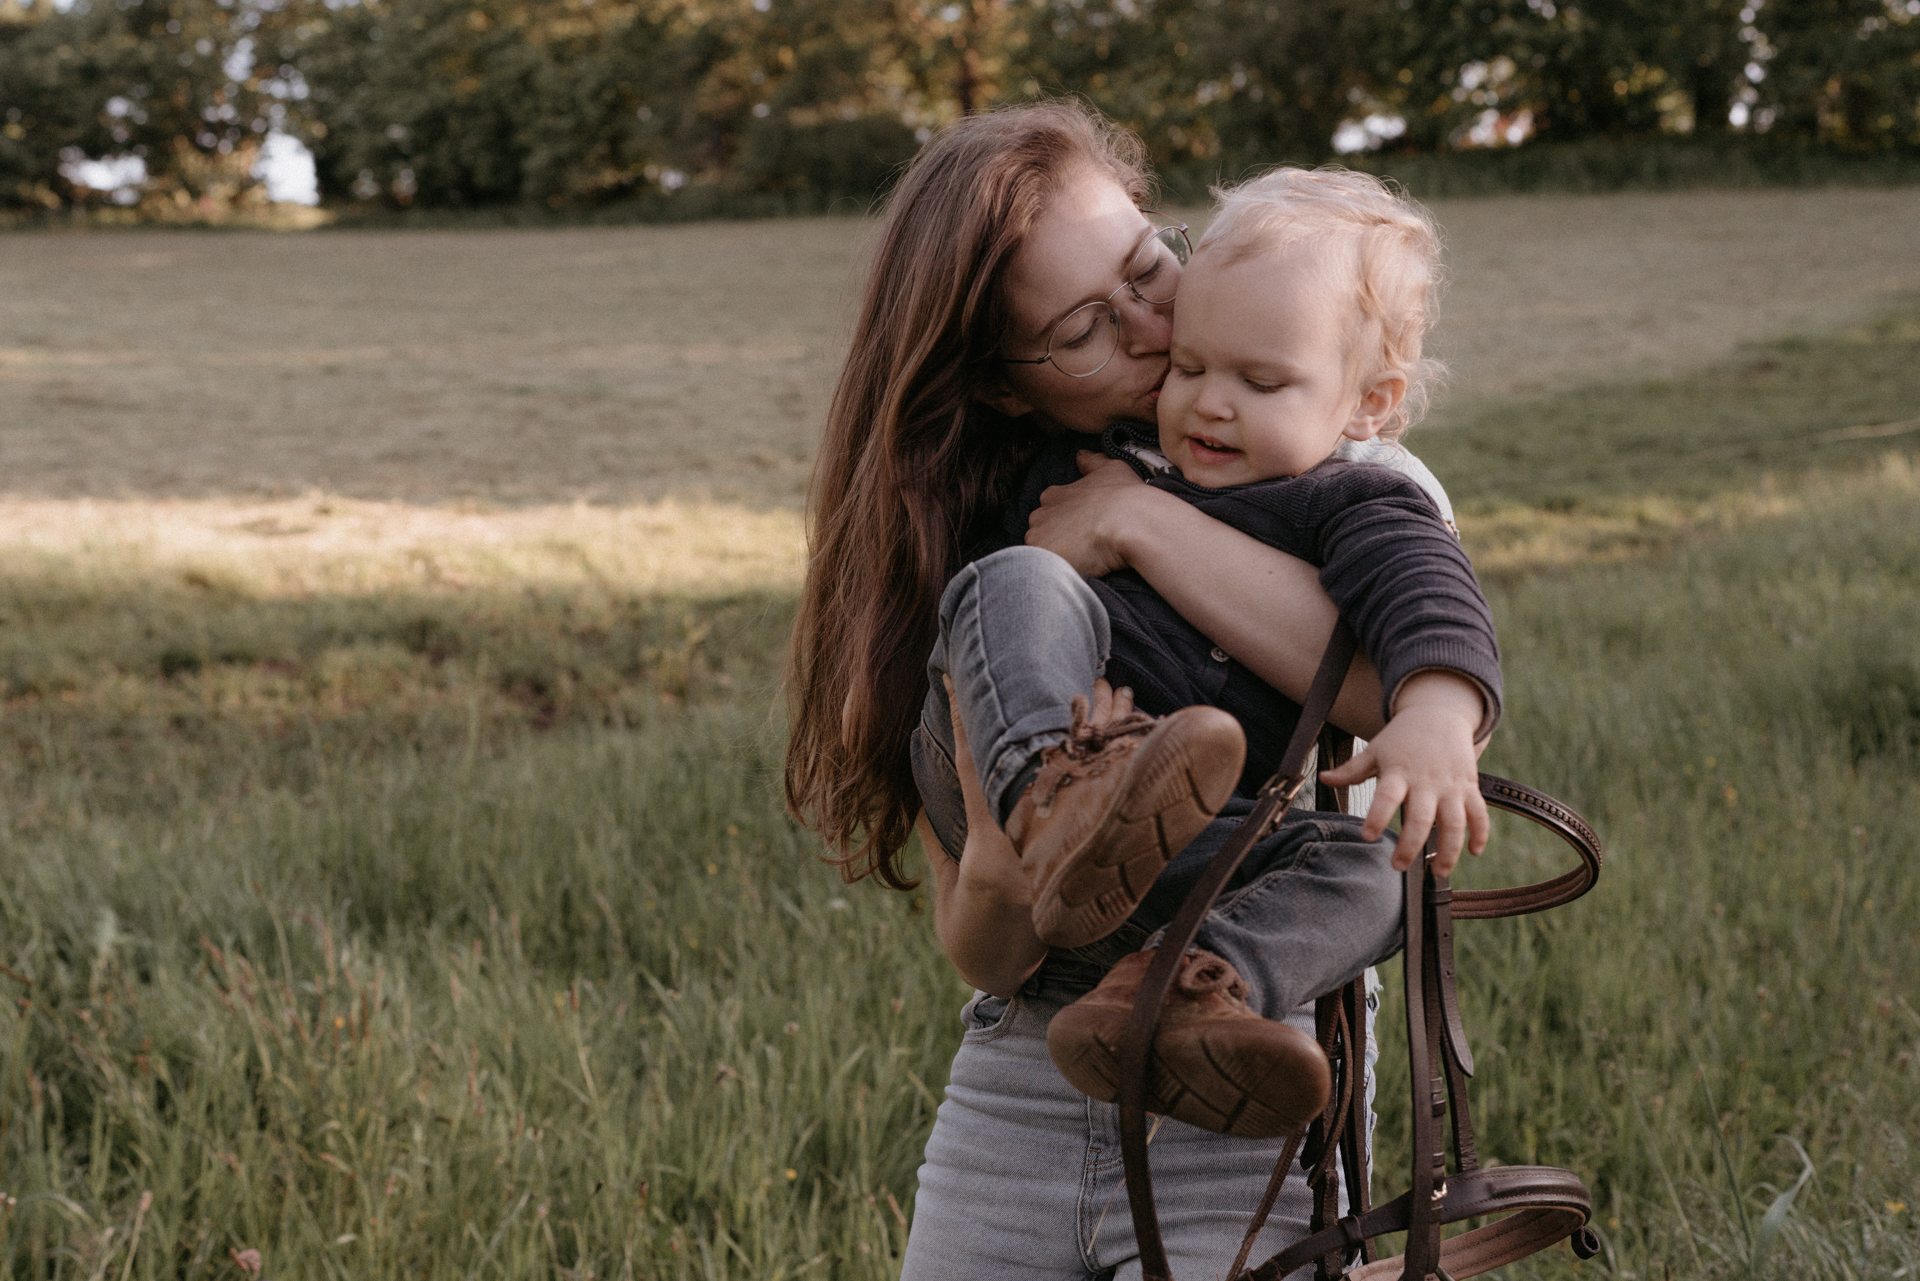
point(911, 461)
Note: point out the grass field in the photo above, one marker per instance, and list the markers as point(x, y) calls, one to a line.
point(618, 364)
point(400, 888)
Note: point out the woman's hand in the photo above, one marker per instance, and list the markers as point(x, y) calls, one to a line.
point(983, 908)
point(988, 864)
point(1087, 523)
point(1426, 759)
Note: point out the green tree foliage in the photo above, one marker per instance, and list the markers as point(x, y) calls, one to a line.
point(1606, 68)
point(767, 104)
point(113, 79)
point(1214, 87)
point(1842, 72)
point(566, 102)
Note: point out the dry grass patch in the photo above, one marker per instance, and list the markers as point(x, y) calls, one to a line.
point(211, 647)
point(1552, 292)
point(322, 543)
point(609, 364)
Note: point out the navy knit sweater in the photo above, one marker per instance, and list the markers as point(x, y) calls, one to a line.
point(1391, 565)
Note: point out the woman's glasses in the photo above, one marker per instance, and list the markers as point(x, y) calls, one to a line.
point(1082, 343)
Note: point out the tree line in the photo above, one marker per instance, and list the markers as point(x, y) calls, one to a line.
point(797, 103)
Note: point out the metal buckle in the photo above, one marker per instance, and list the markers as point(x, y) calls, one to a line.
point(1287, 790)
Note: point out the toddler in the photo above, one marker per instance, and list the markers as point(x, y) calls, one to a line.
point(1297, 334)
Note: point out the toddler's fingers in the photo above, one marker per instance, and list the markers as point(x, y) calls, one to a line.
point(1086, 460)
point(1450, 825)
point(1102, 710)
point(1415, 823)
point(1386, 799)
point(1479, 828)
point(1109, 704)
point(1360, 767)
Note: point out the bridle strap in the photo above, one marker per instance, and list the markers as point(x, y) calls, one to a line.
point(1274, 1183)
point(1518, 900)
point(1545, 1205)
point(1429, 1098)
point(1354, 1154)
point(1542, 1204)
point(1136, 1043)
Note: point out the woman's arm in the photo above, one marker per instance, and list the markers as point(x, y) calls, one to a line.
point(982, 908)
point(1257, 603)
point(982, 913)
point(1269, 611)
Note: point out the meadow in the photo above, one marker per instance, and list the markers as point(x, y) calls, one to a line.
point(393, 877)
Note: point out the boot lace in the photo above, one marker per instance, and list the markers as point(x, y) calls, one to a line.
point(1086, 753)
point(1203, 974)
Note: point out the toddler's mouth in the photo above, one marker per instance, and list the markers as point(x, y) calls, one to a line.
point(1208, 450)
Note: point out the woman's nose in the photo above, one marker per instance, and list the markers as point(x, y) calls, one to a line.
point(1149, 326)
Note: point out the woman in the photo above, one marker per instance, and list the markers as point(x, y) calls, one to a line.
point(1004, 225)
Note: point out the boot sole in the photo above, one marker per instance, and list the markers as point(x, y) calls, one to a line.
point(1249, 1078)
point(1175, 782)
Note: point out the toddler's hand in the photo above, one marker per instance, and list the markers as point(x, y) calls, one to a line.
point(1426, 760)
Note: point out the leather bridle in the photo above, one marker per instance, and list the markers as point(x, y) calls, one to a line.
point(1542, 1205)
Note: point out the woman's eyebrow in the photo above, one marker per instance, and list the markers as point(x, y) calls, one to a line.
point(1132, 249)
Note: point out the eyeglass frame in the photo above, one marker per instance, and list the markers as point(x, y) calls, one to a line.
point(1107, 302)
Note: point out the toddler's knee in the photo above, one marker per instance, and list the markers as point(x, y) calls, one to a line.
point(1015, 575)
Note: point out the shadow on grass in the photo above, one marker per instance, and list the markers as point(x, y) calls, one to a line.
point(126, 695)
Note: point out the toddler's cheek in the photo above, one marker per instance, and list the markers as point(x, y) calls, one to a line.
point(1175, 417)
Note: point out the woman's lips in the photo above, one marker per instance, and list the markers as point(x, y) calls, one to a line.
point(1153, 392)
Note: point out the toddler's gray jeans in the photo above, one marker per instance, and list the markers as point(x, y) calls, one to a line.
point(1021, 634)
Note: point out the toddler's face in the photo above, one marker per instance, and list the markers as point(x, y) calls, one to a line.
point(1260, 387)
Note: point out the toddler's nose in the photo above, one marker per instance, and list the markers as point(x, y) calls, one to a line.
point(1211, 403)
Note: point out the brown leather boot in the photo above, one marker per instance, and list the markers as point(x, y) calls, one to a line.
point(1216, 1064)
point(1111, 806)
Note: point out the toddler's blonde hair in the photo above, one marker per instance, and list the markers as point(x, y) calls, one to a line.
point(1397, 260)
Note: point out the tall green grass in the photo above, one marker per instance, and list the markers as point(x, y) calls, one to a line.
point(1740, 721)
point(580, 1003)
point(465, 936)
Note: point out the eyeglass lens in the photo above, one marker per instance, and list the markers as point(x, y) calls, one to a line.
point(1154, 273)
point(1085, 341)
